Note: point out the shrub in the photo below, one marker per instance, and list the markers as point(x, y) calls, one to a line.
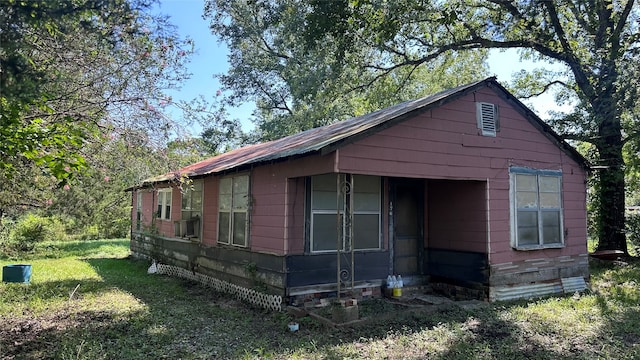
point(32, 229)
point(633, 231)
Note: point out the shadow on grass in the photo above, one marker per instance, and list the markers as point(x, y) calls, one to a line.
point(181, 319)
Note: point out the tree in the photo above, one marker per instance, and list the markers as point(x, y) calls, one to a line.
point(597, 41)
point(73, 76)
point(297, 86)
point(74, 70)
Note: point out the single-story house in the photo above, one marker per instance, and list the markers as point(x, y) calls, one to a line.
point(466, 191)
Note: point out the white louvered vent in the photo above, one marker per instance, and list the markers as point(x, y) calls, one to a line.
point(487, 115)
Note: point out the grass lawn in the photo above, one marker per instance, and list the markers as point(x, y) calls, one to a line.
point(88, 300)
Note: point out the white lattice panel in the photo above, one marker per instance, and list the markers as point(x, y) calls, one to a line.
point(266, 301)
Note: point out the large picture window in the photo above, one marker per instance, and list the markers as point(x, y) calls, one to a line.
point(536, 208)
point(325, 206)
point(164, 204)
point(233, 205)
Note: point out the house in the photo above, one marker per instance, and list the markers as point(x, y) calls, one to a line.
point(467, 191)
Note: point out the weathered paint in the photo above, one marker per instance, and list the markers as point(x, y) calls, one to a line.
point(437, 144)
point(466, 192)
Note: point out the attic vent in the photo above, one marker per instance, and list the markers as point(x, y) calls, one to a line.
point(487, 115)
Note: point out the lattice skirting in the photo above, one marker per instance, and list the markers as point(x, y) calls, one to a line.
point(266, 301)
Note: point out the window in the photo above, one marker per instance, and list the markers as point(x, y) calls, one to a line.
point(325, 208)
point(233, 205)
point(138, 209)
point(164, 204)
point(487, 116)
point(191, 210)
point(536, 208)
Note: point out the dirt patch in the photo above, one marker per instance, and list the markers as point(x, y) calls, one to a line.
point(33, 337)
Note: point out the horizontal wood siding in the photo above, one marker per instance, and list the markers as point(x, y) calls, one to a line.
point(305, 270)
point(458, 216)
point(275, 193)
point(444, 143)
point(295, 216)
point(210, 211)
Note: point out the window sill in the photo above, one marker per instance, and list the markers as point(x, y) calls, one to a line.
point(538, 247)
point(232, 246)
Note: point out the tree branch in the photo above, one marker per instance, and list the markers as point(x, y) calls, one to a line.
point(546, 87)
point(581, 78)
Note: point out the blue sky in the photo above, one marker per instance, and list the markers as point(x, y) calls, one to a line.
point(211, 58)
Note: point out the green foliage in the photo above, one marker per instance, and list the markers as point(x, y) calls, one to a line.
point(30, 230)
point(83, 87)
point(299, 83)
point(633, 231)
point(310, 65)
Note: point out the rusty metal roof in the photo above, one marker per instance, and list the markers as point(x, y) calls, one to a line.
point(320, 138)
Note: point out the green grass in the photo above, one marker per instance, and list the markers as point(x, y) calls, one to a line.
point(91, 301)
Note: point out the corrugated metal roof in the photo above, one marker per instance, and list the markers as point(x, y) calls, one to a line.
point(318, 138)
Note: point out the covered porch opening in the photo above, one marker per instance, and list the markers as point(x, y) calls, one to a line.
point(439, 233)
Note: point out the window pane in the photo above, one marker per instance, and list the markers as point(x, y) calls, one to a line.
point(525, 182)
point(366, 184)
point(225, 186)
point(526, 199)
point(225, 202)
point(197, 186)
point(241, 184)
point(366, 231)
point(240, 201)
point(324, 233)
point(324, 192)
point(366, 202)
point(549, 184)
point(551, 227)
point(527, 228)
point(367, 193)
point(324, 200)
point(167, 197)
point(223, 227)
point(167, 212)
point(196, 200)
point(549, 200)
point(186, 200)
point(239, 228)
point(325, 182)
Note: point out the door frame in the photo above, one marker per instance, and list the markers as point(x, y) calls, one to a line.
point(393, 192)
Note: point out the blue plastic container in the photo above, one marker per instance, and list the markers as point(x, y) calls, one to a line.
point(18, 273)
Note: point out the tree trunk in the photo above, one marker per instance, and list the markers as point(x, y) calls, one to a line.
point(611, 188)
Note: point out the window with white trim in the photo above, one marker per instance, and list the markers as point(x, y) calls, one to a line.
point(487, 117)
point(536, 208)
point(164, 204)
point(327, 211)
point(233, 206)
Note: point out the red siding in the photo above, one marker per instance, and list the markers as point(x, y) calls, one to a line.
point(210, 211)
point(457, 217)
point(444, 143)
point(148, 207)
point(277, 190)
